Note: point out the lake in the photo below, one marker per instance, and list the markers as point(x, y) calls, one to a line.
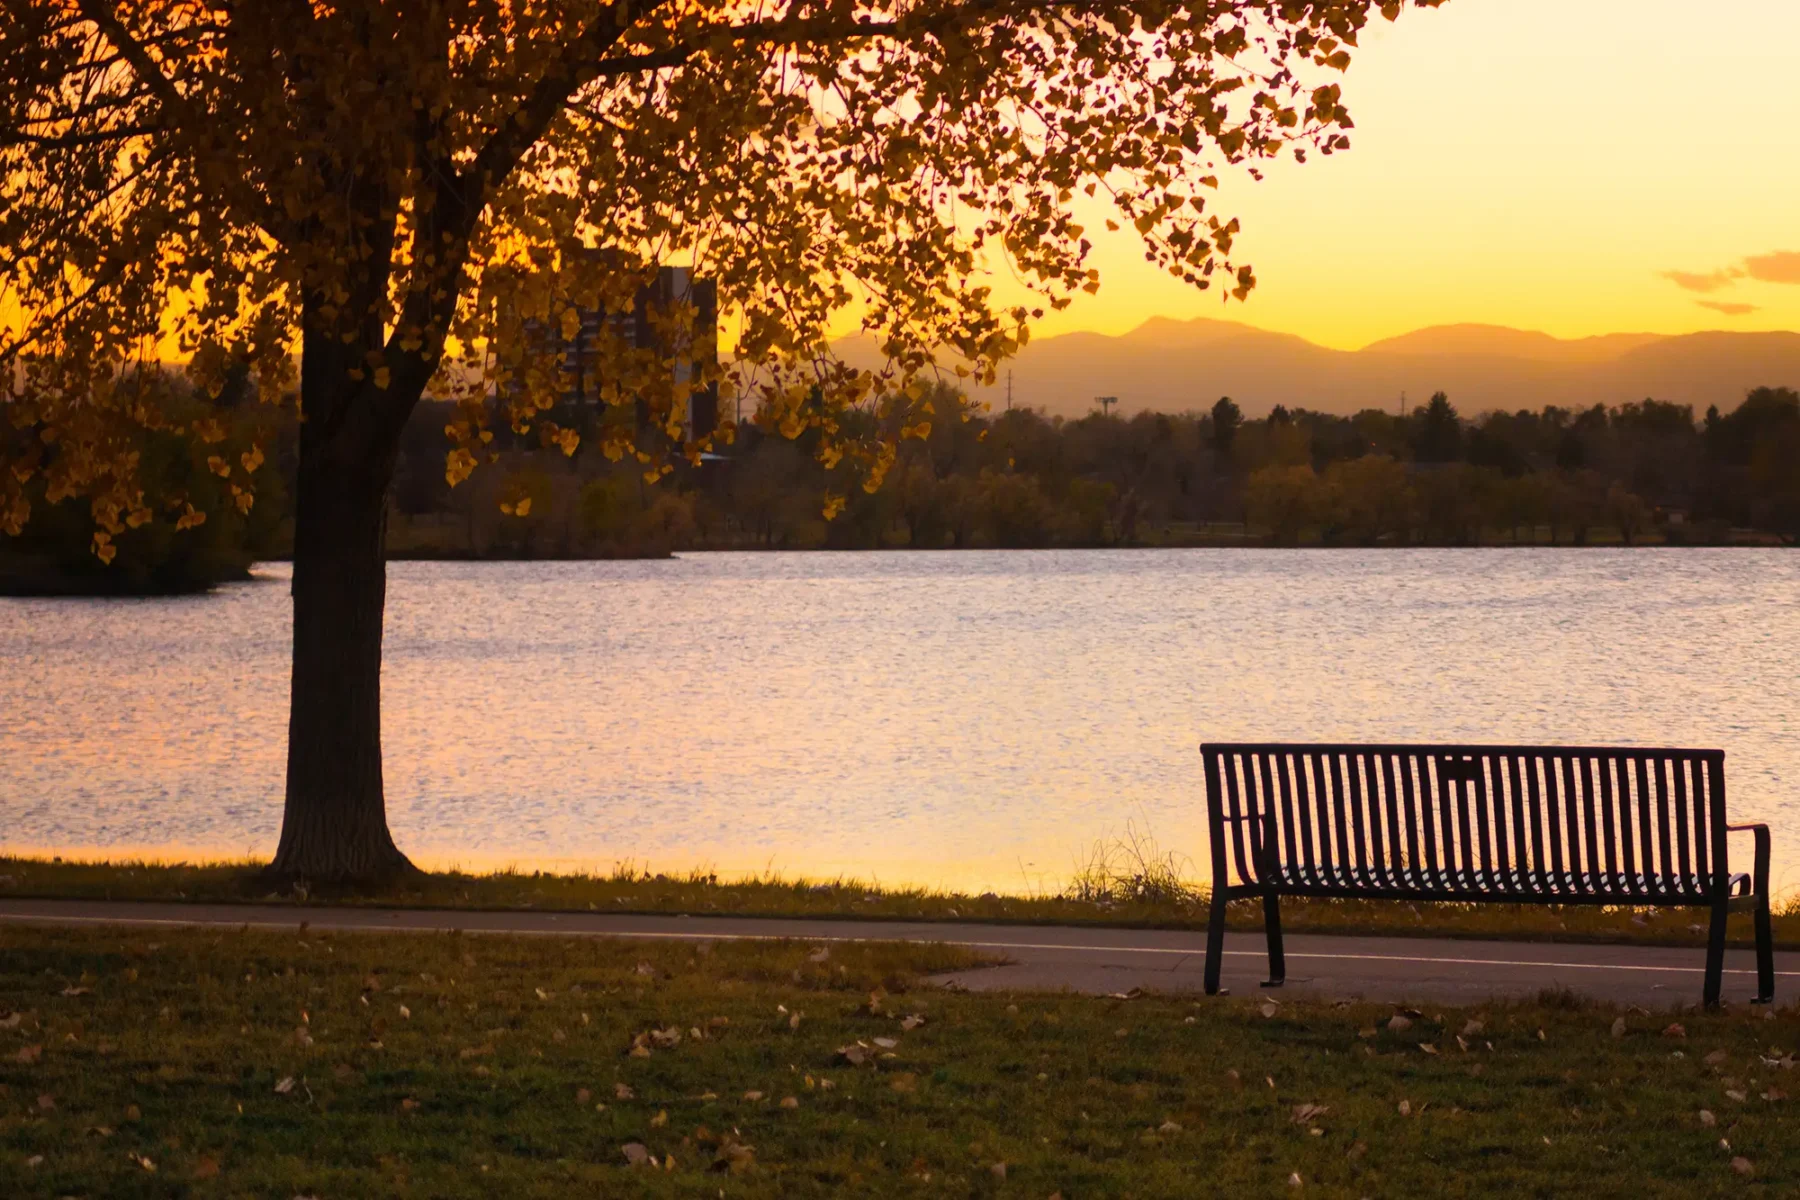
point(973, 719)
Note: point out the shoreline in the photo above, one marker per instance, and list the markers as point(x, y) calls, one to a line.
point(1174, 906)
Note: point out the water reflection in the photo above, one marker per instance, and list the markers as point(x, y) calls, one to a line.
point(972, 719)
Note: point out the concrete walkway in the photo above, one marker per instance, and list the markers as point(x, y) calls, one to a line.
point(1085, 959)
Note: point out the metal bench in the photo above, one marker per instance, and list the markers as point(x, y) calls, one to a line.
point(1514, 824)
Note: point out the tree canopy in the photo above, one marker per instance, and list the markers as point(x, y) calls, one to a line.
point(217, 181)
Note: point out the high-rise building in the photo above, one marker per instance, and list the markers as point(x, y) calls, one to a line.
point(689, 354)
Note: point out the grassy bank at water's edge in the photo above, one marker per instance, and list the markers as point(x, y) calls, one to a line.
point(1141, 895)
point(208, 1063)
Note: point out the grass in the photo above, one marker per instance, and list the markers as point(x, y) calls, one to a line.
point(1129, 882)
point(198, 1063)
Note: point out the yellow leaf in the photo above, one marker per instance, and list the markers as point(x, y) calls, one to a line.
point(218, 466)
point(382, 375)
point(458, 465)
point(104, 550)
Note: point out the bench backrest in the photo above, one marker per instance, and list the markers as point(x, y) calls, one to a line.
point(1636, 823)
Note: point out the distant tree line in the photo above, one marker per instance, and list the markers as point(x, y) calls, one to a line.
point(1648, 472)
point(1630, 474)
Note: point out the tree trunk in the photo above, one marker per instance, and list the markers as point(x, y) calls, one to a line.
point(334, 826)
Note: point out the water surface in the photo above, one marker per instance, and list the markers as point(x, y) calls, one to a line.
point(971, 719)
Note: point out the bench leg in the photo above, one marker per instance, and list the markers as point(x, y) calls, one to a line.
point(1215, 940)
point(1715, 953)
point(1765, 953)
point(1272, 926)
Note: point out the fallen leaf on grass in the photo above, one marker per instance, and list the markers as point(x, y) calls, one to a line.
point(822, 954)
point(206, 1168)
point(911, 1023)
point(409, 1105)
point(1406, 1108)
point(46, 1102)
point(789, 1102)
point(1398, 1023)
point(886, 1043)
point(735, 1158)
point(1428, 1048)
point(1774, 1094)
point(1707, 1119)
point(1269, 1009)
point(11, 1020)
point(77, 991)
point(29, 1054)
point(635, 1153)
point(1294, 1180)
point(1734, 1094)
point(1714, 1059)
point(1743, 1166)
point(143, 1162)
point(1675, 1030)
point(753, 1096)
point(1472, 1028)
point(1305, 1114)
point(905, 1082)
point(36, 1160)
point(1173, 1127)
point(998, 1170)
point(285, 1085)
point(622, 1092)
point(1618, 1027)
point(660, 1119)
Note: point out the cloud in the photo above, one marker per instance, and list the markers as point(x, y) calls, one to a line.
point(1729, 307)
point(1709, 282)
point(1779, 266)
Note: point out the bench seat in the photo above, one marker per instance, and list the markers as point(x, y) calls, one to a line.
point(1513, 886)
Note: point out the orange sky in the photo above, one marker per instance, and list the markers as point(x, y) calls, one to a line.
point(1562, 165)
point(1535, 163)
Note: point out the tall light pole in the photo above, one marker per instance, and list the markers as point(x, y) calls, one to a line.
point(1106, 403)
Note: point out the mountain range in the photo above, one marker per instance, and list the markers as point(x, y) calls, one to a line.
point(1168, 365)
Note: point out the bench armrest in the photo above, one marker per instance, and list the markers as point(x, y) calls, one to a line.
point(1760, 873)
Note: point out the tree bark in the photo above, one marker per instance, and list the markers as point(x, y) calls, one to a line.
point(334, 825)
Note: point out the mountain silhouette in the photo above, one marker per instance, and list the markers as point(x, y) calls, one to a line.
point(1168, 365)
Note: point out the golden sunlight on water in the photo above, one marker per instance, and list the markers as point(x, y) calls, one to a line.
point(965, 719)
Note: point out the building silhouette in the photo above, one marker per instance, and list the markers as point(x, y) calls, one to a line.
point(690, 353)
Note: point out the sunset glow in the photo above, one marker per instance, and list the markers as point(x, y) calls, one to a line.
point(1561, 165)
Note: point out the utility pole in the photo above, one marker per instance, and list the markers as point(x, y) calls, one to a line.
point(1009, 390)
point(1403, 406)
point(1106, 403)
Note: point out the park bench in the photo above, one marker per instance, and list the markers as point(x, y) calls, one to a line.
point(1512, 824)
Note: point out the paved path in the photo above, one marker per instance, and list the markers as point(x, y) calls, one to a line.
point(1083, 959)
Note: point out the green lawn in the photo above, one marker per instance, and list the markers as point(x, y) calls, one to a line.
point(1134, 893)
point(200, 1063)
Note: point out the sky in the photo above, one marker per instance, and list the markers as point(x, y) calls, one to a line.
point(1578, 167)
